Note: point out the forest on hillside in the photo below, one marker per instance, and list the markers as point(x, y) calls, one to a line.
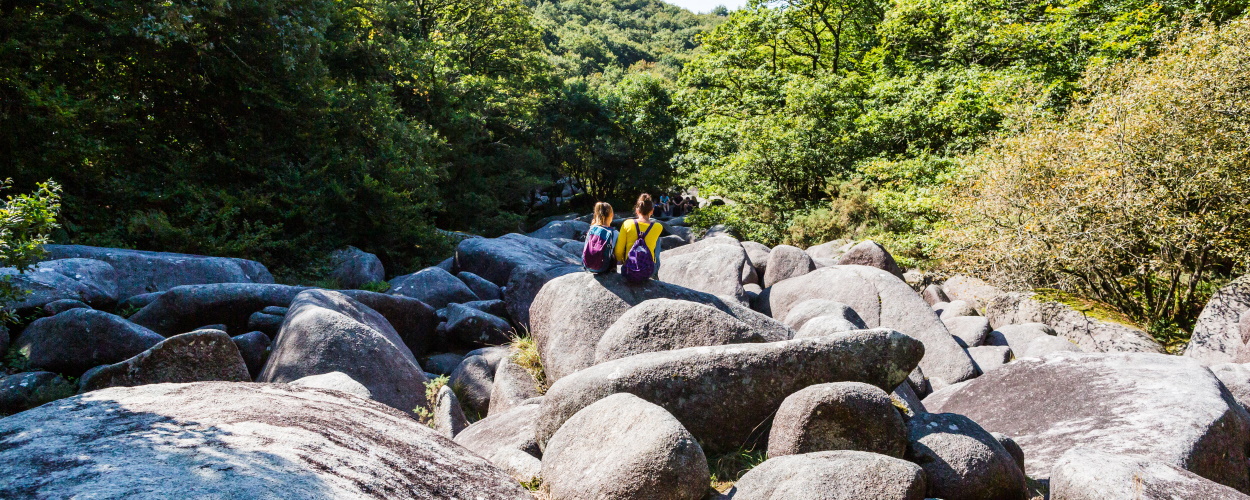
point(1095, 146)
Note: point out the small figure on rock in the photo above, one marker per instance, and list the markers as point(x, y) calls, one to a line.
point(599, 253)
point(638, 248)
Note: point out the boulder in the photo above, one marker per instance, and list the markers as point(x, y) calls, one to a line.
point(827, 325)
point(830, 250)
point(971, 290)
point(969, 331)
point(881, 300)
point(233, 440)
point(335, 381)
point(872, 254)
point(1223, 327)
point(449, 419)
point(491, 307)
point(442, 364)
point(568, 229)
point(838, 416)
point(496, 258)
point(667, 324)
point(833, 475)
point(1041, 346)
point(483, 289)
point(1236, 378)
point(934, 294)
point(716, 269)
point(1165, 408)
point(807, 310)
point(571, 314)
point(185, 308)
point(989, 357)
point(448, 264)
point(511, 386)
point(23, 391)
point(354, 268)
point(470, 327)
point(961, 460)
point(720, 230)
point(701, 245)
point(269, 324)
point(1018, 337)
point(473, 382)
point(327, 331)
point(1086, 473)
point(722, 394)
point(1012, 447)
point(78, 339)
point(59, 306)
point(506, 439)
point(1092, 334)
point(758, 253)
point(523, 288)
point(140, 272)
point(137, 302)
point(89, 281)
point(954, 309)
point(200, 356)
point(785, 262)
point(666, 243)
point(434, 286)
point(624, 447)
point(906, 400)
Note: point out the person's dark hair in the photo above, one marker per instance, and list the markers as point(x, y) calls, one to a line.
point(644, 206)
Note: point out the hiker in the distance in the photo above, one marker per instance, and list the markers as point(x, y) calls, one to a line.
point(665, 205)
point(599, 254)
point(638, 247)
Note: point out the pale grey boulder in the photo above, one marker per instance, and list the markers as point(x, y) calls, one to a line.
point(906, 400)
point(837, 416)
point(720, 231)
point(934, 293)
point(1090, 333)
point(185, 308)
point(872, 254)
point(785, 262)
point(701, 245)
point(89, 281)
point(969, 331)
point(567, 229)
point(624, 447)
point(989, 357)
point(233, 440)
point(1018, 337)
point(1086, 473)
point(1042, 346)
point(200, 356)
point(76, 340)
point(804, 311)
point(469, 327)
point(667, 324)
point(354, 268)
point(1169, 409)
point(473, 382)
point(833, 475)
point(519, 263)
point(938, 397)
point(449, 419)
point(511, 386)
point(327, 331)
point(434, 286)
point(571, 314)
point(140, 272)
point(881, 300)
point(506, 439)
point(484, 289)
point(972, 290)
point(830, 250)
point(827, 325)
point(716, 269)
point(335, 381)
point(22, 391)
point(1236, 378)
point(721, 394)
point(1223, 327)
point(1012, 448)
point(758, 253)
point(254, 347)
point(954, 309)
point(961, 460)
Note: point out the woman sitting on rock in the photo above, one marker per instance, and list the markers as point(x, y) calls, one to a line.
point(638, 247)
point(598, 256)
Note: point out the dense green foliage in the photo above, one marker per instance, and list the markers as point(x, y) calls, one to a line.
point(25, 222)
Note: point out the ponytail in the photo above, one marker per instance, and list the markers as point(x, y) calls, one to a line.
point(602, 215)
point(644, 206)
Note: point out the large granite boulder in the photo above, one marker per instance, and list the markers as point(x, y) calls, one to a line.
point(785, 262)
point(1092, 334)
point(716, 269)
point(571, 314)
point(1169, 409)
point(833, 475)
point(872, 254)
point(511, 386)
point(507, 439)
point(235, 440)
point(667, 324)
point(469, 327)
point(76, 340)
point(520, 264)
point(186, 308)
point(140, 272)
point(838, 416)
point(449, 419)
point(473, 381)
point(881, 300)
point(969, 331)
point(1086, 473)
point(434, 286)
point(722, 394)
point(254, 347)
point(485, 290)
point(90, 281)
point(830, 250)
point(567, 229)
point(961, 460)
point(327, 331)
point(334, 381)
point(974, 291)
point(1223, 329)
point(758, 253)
point(354, 268)
point(624, 447)
point(23, 391)
point(200, 356)
point(808, 310)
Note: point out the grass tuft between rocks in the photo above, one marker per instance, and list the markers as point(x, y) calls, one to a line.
point(426, 413)
point(729, 467)
point(525, 354)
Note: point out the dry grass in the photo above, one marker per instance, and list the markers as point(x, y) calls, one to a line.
point(525, 354)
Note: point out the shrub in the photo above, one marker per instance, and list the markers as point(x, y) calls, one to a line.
point(25, 221)
point(426, 413)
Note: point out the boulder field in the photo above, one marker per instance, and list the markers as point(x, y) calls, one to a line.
point(742, 371)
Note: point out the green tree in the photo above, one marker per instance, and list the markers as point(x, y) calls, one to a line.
point(25, 222)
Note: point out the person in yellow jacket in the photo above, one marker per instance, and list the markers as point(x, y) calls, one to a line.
point(631, 228)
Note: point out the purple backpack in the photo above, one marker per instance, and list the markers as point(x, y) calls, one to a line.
point(597, 255)
point(639, 264)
